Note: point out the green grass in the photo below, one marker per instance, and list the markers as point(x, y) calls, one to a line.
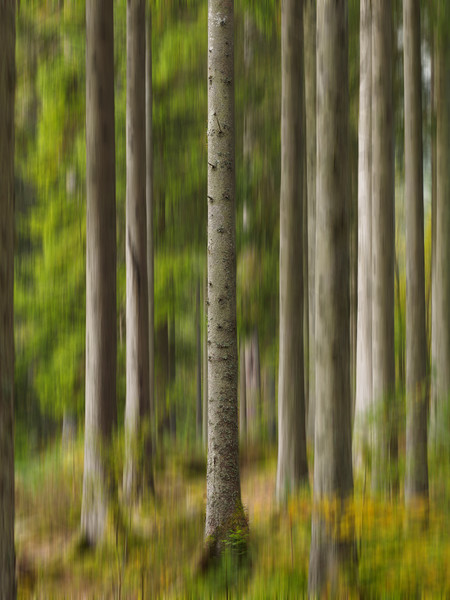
point(157, 553)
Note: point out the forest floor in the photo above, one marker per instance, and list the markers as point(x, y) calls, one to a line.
point(157, 553)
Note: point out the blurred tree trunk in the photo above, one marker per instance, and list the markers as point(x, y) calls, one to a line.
point(7, 87)
point(137, 407)
point(333, 479)
point(205, 367)
point(242, 394)
point(224, 512)
point(199, 365)
point(149, 212)
point(383, 248)
point(442, 332)
point(416, 479)
point(101, 334)
point(292, 470)
point(310, 109)
point(252, 384)
point(363, 404)
point(433, 403)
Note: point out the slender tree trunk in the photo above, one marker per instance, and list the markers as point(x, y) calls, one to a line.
point(137, 407)
point(333, 479)
point(292, 470)
point(7, 87)
point(416, 480)
point(442, 333)
point(199, 365)
point(310, 109)
point(149, 212)
point(101, 331)
point(242, 394)
point(363, 406)
point(383, 248)
point(223, 497)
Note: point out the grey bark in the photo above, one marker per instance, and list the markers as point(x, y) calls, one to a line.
point(7, 87)
point(442, 332)
point(101, 335)
point(292, 469)
point(333, 478)
point(137, 469)
point(416, 479)
point(363, 407)
point(311, 151)
point(149, 209)
point(383, 248)
point(223, 496)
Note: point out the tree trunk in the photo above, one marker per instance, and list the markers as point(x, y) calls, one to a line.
point(333, 479)
point(101, 334)
point(224, 511)
point(442, 332)
point(7, 86)
point(149, 212)
point(137, 407)
point(242, 394)
point(199, 365)
point(383, 248)
point(310, 109)
point(292, 470)
point(416, 479)
point(363, 405)
point(252, 384)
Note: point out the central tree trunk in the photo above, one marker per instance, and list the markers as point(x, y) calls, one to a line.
point(333, 478)
point(137, 406)
point(292, 470)
point(224, 511)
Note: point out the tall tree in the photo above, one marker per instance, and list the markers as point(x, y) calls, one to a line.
point(333, 478)
point(441, 405)
point(223, 497)
point(149, 209)
point(383, 247)
point(137, 408)
point(101, 336)
point(292, 469)
point(7, 87)
point(363, 405)
point(311, 151)
point(416, 480)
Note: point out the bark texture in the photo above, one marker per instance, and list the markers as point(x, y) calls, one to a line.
point(333, 479)
point(223, 497)
point(101, 336)
point(149, 213)
point(292, 469)
point(137, 467)
point(442, 333)
point(416, 479)
point(7, 87)
point(309, 26)
point(363, 405)
point(383, 248)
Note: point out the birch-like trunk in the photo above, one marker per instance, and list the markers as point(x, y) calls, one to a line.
point(442, 332)
point(223, 498)
point(333, 479)
point(137, 468)
point(292, 469)
point(363, 405)
point(7, 87)
point(101, 334)
point(309, 27)
point(383, 247)
point(416, 478)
